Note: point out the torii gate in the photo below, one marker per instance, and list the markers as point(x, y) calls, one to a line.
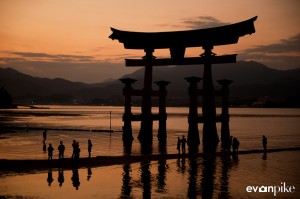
point(177, 42)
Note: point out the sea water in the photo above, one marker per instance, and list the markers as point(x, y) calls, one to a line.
point(281, 126)
point(216, 177)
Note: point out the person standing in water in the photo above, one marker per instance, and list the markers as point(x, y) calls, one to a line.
point(229, 144)
point(74, 147)
point(61, 150)
point(90, 147)
point(45, 135)
point(183, 141)
point(264, 142)
point(77, 151)
point(178, 144)
point(50, 151)
point(235, 145)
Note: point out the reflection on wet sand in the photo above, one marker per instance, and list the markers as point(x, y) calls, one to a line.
point(61, 177)
point(89, 171)
point(145, 179)
point(192, 179)
point(226, 166)
point(181, 167)
point(126, 186)
point(200, 184)
point(75, 178)
point(44, 147)
point(50, 177)
point(161, 175)
point(206, 177)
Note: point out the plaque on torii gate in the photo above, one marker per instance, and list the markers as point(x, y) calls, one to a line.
point(177, 42)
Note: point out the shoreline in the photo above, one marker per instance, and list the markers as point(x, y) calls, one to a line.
point(67, 163)
point(27, 128)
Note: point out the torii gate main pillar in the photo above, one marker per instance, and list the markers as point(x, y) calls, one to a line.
point(193, 133)
point(210, 135)
point(145, 134)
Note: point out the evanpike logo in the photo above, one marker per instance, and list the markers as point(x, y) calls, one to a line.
point(283, 188)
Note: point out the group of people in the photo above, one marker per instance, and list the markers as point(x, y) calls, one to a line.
point(181, 144)
point(234, 144)
point(76, 150)
point(61, 149)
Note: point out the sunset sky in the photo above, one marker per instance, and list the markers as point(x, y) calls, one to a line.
point(69, 38)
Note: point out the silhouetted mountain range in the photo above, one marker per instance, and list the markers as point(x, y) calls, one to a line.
point(251, 80)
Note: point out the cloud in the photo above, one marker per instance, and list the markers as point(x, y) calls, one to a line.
point(282, 55)
point(202, 22)
point(284, 46)
point(282, 62)
point(71, 67)
point(52, 57)
point(199, 22)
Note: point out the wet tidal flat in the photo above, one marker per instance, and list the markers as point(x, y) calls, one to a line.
point(214, 177)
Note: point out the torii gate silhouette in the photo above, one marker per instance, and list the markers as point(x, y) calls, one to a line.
point(177, 42)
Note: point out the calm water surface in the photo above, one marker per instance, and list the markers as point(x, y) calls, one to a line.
point(281, 126)
point(217, 177)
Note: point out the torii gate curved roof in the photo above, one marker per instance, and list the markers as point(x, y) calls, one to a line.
point(228, 34)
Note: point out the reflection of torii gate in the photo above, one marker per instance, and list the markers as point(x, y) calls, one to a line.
point(177, 42)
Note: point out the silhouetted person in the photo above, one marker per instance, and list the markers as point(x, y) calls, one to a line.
point(235, 145)
point(61, 178)
point(61, 150)
point(73, 146)
point(50, 151)
point(264, 142)
point(178, 144)
point(44, 147)
point(183, 142)
point(45, 135)
point(229, 144)
point(89, 147)
point(77, 151)
point(50, 177)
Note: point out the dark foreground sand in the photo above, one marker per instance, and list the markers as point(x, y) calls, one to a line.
point(67, 163)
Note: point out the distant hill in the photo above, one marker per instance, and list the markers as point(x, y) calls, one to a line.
point(26, 88)
point(251, 80)
point(21, 84)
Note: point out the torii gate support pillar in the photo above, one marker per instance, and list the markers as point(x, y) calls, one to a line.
point(127, 116)
point(162, 126)
point(193, 139)
point(225, 132)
